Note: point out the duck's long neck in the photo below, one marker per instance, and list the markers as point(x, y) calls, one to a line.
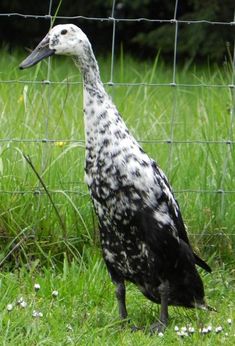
point(96, 102)
point(89, 68)
point(104, 127)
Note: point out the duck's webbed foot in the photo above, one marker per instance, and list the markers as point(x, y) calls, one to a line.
point(157, 327)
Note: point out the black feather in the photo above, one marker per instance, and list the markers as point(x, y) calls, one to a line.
point(202, 263)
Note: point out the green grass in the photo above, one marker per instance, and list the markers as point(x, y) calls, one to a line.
point(61, 252)
point(85, 310)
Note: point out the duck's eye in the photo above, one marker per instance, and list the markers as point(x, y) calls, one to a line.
point(64, 32)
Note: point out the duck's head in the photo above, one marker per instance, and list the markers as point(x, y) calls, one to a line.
point(63, 39)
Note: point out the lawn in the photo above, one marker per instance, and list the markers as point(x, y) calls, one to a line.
point(85, 311)
point(53, 241)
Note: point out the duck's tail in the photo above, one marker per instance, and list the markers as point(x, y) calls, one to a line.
point(202, 263)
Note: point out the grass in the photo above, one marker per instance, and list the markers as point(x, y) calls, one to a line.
point(85, 310)
point(61, 252)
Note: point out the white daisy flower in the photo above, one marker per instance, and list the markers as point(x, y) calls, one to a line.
point(37, 287)
point(20, 300)
point(9, 307)
point(204, 330)
point(37, 314)
point(182, 334)
point(191, 330)
point(55, 293)
point(23, 304)
point(218, 329)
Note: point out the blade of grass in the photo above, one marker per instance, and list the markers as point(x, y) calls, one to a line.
point(29, 161)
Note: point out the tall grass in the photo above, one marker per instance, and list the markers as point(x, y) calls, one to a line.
point(29, 226)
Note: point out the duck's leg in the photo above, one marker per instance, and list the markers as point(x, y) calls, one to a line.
point(119, 282)
point(121, 298)
point(160, 326)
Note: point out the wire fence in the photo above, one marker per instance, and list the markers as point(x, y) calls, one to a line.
point(171, 141)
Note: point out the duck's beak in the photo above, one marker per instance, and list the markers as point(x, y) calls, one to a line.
point(41, 52)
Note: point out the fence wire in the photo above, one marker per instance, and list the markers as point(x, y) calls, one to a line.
point(112, 18)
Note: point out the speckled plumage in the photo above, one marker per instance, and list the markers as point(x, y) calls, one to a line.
point(143, 237)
